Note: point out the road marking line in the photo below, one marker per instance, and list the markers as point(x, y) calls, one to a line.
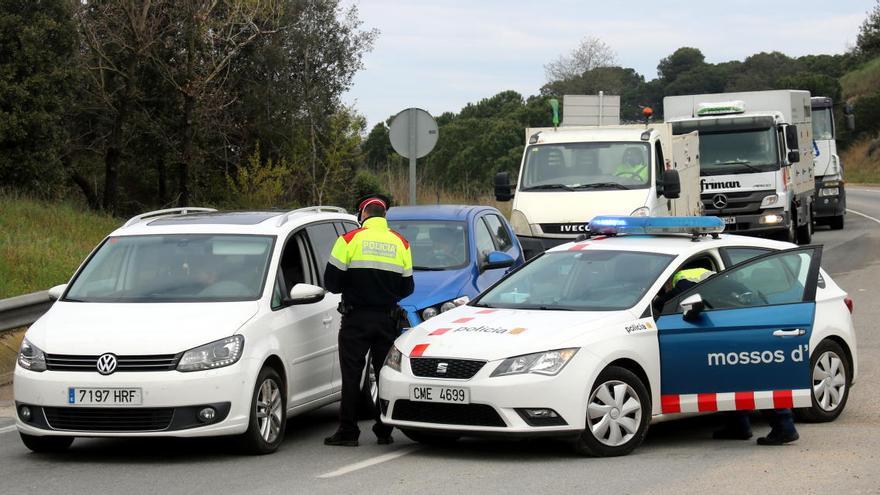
point(7, 429)
point(866, 190)
point(869, 217)
point(371, 462)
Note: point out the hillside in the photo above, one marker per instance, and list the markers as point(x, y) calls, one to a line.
point(41, 244)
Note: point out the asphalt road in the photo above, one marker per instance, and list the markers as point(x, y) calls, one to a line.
point(677, 457)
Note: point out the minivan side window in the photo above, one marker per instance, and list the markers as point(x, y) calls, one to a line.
point(483, 238)
point(322, 236)
point(499, 232)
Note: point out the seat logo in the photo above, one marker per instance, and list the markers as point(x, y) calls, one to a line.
point(106, 364)
point(719, 201)
point(442, 367)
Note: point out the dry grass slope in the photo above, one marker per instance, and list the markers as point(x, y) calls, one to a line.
point(861, 162)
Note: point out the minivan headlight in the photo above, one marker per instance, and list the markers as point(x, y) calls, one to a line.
point(217, 354)
point(30, 357)
point(544, 363)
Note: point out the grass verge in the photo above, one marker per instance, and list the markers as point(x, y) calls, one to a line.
point(862, 81)
point(41, 244)
point(861, 162)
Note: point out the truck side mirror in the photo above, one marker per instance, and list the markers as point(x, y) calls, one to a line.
point(791, 137)
point(671, 184)
point(850, 122)
point(503, 187)
point(794, 156)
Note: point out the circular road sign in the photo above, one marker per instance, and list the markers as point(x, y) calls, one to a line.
point(415, 124)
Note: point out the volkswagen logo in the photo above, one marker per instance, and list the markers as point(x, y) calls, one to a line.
point(442, 367)
point(106, 364)
point(719, 201)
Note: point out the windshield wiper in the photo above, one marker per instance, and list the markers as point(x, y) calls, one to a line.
point(428, 268)
point(548, 187)
point(747, 164)
point(598, 185)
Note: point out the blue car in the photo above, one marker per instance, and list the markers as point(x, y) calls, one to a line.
point(458, 251)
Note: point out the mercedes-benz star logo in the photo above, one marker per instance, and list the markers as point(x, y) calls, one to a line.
point(441, 368)
point(719, 201)
point(106, 364)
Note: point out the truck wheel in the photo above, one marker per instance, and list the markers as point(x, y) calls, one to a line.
point(790, 234)
point(831, 375)
point(836, 223)
point(46, 445)
point(618, 412)
point(805, 231)
point(268, 417)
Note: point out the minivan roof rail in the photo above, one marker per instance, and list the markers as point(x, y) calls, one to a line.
point(315, 209)
point(167, 212)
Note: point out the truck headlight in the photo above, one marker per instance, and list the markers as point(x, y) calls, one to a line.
point(544, 363)
point(392, 360)
point(641, 212)
point(217, 354)
point(829, 191)
point(30, 357)
point(769, 200)
point(520, 223)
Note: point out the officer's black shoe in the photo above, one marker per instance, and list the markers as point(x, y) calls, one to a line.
point(388, 440)
point(728, 433)
point(777, 438)
point(342, 439)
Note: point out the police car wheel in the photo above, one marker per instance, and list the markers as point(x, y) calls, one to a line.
point(430, 438)
point(268, 415)
point(618, 412)
point(831, 376)
point(46, 444)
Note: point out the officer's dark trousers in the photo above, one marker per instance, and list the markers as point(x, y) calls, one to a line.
point(362, 331)
point(781, 420)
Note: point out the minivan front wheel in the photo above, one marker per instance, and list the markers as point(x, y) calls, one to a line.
point(268, 417)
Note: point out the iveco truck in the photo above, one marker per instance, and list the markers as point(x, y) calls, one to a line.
point(570, 174)
point(756, 158)
point(830, 205)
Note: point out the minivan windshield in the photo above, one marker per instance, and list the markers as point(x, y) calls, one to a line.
point(578, 280)
point(583, 166)
point(174, 268)
point(435, 244)
point(738, 151)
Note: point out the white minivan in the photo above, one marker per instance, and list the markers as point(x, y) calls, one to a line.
point(188, 322)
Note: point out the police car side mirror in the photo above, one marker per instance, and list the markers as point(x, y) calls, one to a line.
point(503, 187)
point(671, 184)
point(305, 294)
point(691, 307)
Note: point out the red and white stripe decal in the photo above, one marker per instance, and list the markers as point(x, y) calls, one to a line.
point(485, 311)
point(440, 331)
point(579, 246)
point(463, 320)
point(418, 350)
point(733, 401)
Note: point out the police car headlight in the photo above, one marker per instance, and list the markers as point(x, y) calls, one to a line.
point(217, 354)
point(429, 313)
point(30, 357)
point(392, 360)
point(641, 212)
point(544, 363)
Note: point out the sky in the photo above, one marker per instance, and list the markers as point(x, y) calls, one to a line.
point(440, 55)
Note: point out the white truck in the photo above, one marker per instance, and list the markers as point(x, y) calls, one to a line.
point(756, 158)
point(830, 205)
point(570, 174)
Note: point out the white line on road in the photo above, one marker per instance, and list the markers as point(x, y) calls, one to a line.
point(371, 462)
point(869, 217)
point(7, 429)
point(865, 190)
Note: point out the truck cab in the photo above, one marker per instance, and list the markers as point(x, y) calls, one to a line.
point(830, 206)
point(756, 158)
point(571, 174)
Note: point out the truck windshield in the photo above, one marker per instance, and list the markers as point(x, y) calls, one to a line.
point(823, 127)
point(435, 245)
point(599, 280)
point(174, 268)
point(738, 151)
point(581, 166)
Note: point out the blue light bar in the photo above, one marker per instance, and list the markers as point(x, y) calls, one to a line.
point(610, 225)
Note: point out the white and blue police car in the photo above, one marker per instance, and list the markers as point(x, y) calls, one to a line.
point(588, 341)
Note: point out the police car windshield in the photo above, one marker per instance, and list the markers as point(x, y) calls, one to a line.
point(174, 268)
point(435, 245)
point(579, 280)
point(583, 166)
point(744, 150)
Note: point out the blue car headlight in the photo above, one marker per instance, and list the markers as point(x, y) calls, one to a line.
point(433, 311)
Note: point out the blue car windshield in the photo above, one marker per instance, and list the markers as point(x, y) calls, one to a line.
point(585, 280)
point(435, 244)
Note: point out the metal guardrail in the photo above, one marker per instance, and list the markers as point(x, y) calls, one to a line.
point(23, 310)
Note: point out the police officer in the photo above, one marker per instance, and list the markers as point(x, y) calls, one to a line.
point(372, 268)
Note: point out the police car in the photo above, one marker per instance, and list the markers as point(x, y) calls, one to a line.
point(588, 340)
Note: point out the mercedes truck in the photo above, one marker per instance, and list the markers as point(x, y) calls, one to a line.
point(756, 158)
point(830, 206)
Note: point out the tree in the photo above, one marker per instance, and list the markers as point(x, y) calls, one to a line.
point(868, 40)
point(591, 53)
point(37, 38)
point(761, 71)
point(682, 60)
point(621, 81)
point(816, 84)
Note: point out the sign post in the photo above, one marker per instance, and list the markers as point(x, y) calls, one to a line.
point(413, 134)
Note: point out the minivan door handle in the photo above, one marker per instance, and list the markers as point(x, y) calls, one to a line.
point(327, 321)
point(789, 332)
